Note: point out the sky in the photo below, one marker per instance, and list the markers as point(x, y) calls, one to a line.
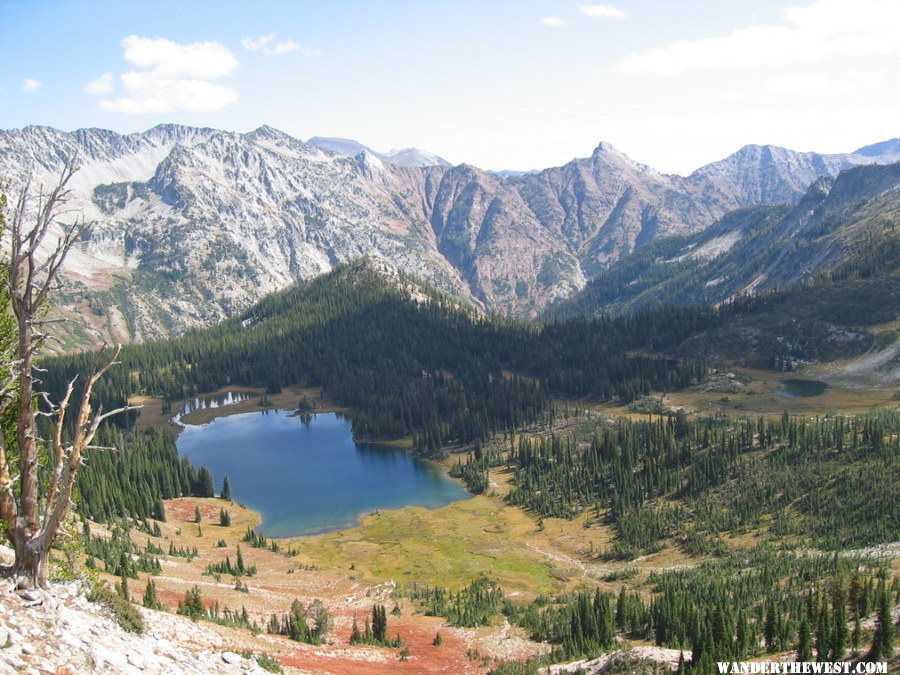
point(501, 84)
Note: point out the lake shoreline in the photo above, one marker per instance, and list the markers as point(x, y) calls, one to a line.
point(327, 481)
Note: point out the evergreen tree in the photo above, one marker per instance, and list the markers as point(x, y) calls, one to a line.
point(205, 485)
point(379, 624)
point(192, 604)
point(226, 489)
point(839, 630)
point(159, 510)
point(770, 631)
point(122, 587)
point(883, 640)
point(355, 637)
point(150, 599)
point(856, 636)
point(804, 640)
point(823, 632)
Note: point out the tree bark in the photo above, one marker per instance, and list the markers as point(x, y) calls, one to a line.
point(32, 558)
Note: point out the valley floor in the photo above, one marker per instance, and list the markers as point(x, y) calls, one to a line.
point(381, 558)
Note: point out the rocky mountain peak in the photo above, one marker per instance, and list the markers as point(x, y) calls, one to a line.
point(199, 223)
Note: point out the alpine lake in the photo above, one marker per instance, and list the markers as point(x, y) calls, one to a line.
point(303, 473)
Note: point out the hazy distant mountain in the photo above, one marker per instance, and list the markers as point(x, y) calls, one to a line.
point(404, 157)
point(342, 146)
point(192, 225)
point(882, 150)
point(763, 174)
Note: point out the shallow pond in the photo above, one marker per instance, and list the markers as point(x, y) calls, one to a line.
point(796, 388)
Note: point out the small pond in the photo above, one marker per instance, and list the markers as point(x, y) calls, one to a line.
point(796, 388)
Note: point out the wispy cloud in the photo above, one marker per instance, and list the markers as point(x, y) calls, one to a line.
point(101, 86)
point(31, 86)
point(174, 77)
point(268, 45)
point(553, 21)
point(602, 12)
point(809, 34)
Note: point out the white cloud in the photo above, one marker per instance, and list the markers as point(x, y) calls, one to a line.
point(174, 77)
point(102, 85)
point(31, 86)
point(602, 12)
point(553, 21)
point(267, 45)
point(810, 34)
point(203, 60)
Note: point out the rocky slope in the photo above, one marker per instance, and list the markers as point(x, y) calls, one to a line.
point(190, 225)
point(61, 632)
point(755, 248)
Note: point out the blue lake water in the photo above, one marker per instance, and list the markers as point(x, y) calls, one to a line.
point(309, 478)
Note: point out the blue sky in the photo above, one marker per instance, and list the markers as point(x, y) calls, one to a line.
point(500, 84)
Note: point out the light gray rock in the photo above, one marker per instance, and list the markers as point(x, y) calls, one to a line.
point(231, 658)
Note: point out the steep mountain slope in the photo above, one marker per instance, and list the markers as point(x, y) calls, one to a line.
point(752, 249)
point(607, 204)
point(192, 225)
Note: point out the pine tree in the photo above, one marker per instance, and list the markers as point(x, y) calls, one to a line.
point(823, 632)
point(197, 515)
point(355, 637)
point(226, 489)
point(159, 510)
point(150, 599)
point(804, 641)
point(839, 631)
point(883, 640)
point(122, 587)
point(770, 630)
point(205, 485)
point(192, 604)
point(856, 636)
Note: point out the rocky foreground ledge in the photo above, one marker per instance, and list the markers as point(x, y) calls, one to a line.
point(60, 631)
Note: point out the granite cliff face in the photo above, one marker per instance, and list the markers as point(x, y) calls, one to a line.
point(190, 225)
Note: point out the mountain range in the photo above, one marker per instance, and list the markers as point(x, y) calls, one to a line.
point(755, 248)
point(191, 225)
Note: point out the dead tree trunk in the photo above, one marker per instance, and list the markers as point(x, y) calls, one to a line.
point(34, 520)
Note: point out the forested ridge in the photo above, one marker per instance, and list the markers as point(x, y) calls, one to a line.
point(425, 368)
point(132, 481)
point(827, 315)
point(674, 479)
point(792, 486)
